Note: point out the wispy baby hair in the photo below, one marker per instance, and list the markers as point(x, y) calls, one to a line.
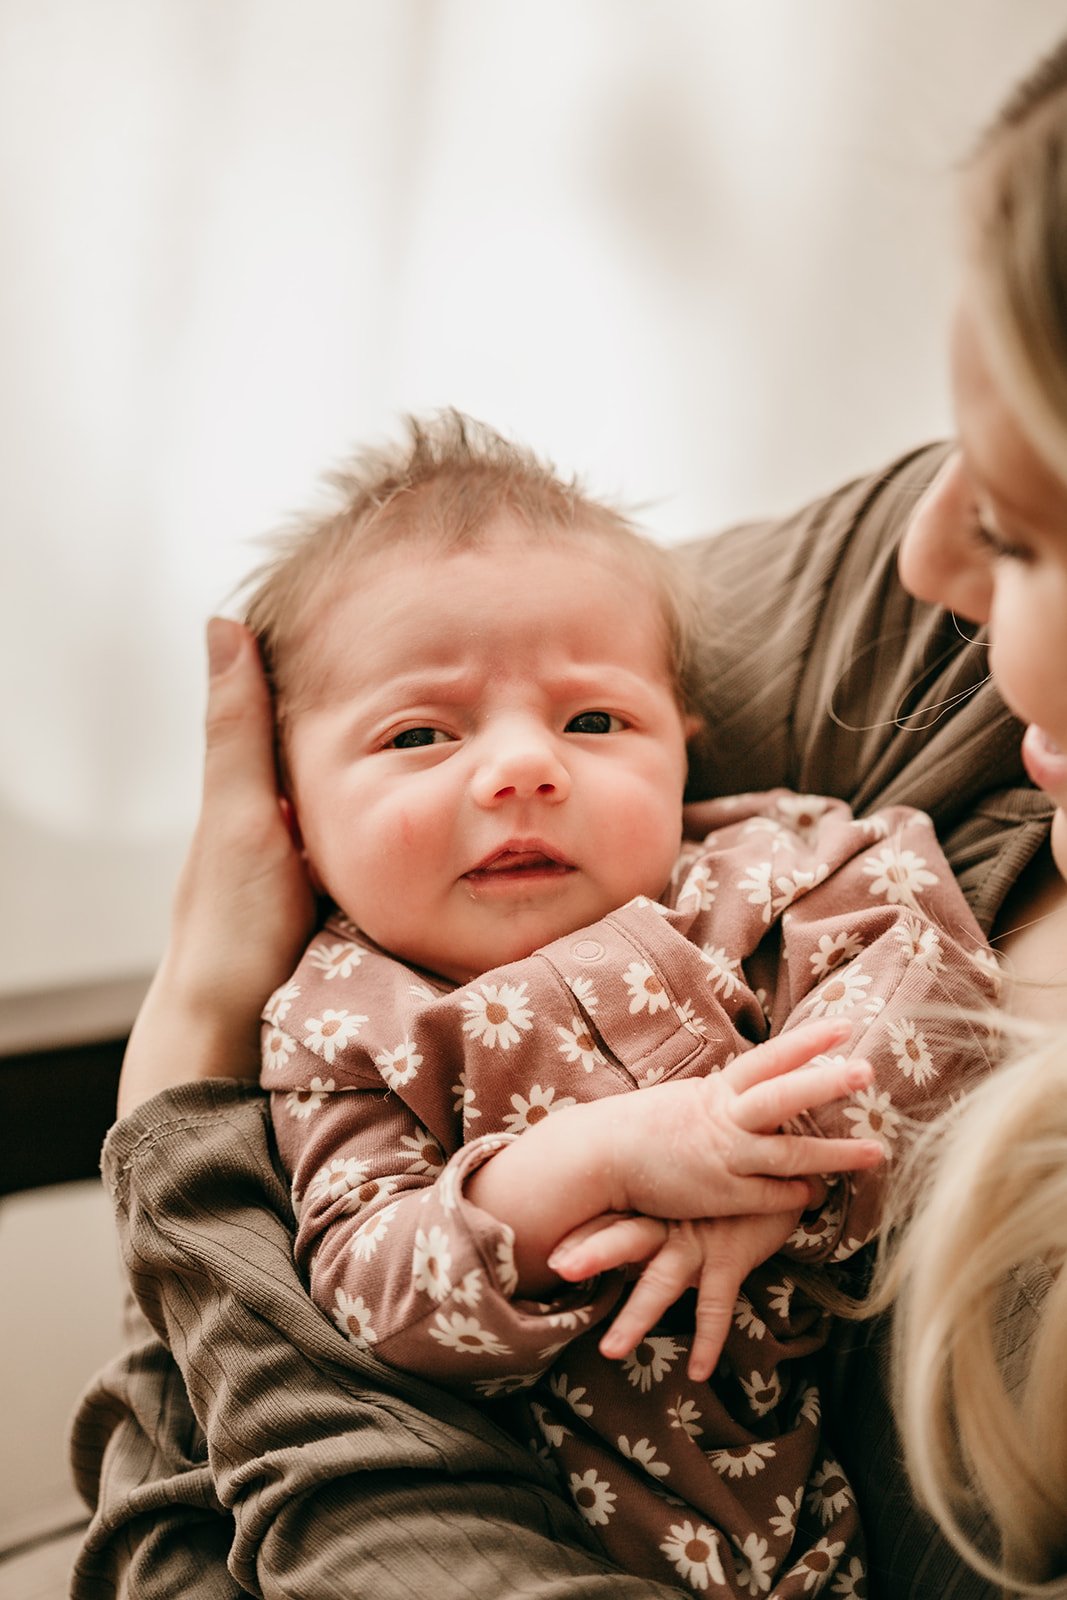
point(443, 487)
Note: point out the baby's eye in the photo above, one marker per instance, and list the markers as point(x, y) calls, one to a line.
point(594, 722)
point(416, 738)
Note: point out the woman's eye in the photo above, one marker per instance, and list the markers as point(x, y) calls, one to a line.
point(999, 548)
point(594, 722)
point(416, 738)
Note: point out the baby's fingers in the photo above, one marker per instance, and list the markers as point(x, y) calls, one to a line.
point(786, 1052)
point(802, 1155)
point(669, 1273)
point(766, 1106)
point(605, 1243)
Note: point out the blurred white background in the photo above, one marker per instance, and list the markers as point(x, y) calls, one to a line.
point(697, 249)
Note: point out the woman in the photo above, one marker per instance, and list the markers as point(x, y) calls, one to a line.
point(823, 674)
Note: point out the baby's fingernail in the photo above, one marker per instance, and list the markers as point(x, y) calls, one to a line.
point(859, 1074)
point(223, 643)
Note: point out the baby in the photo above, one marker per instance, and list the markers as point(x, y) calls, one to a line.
point(481, 682)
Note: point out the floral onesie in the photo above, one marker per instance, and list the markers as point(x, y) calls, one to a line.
point(390, 1086)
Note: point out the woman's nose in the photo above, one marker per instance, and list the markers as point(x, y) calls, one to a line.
point(941, 558)
point(521, 764)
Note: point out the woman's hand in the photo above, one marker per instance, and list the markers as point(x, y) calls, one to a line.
point(243, 909)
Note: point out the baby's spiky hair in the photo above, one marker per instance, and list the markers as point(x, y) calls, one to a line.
point(444, 487)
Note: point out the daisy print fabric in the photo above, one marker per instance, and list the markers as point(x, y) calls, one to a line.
point(388, 1089)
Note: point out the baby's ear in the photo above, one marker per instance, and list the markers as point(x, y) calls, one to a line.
point(693, 725)
point(292, 823)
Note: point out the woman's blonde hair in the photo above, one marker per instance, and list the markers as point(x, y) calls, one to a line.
point(1015, 243)
point(982, 1394)
point(982, 1414)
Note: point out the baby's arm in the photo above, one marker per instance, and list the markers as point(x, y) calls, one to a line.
point(700, 1147)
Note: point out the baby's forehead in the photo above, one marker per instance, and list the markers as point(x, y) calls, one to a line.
point(390, 586)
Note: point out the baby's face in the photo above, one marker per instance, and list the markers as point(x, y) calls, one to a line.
point(499, 758)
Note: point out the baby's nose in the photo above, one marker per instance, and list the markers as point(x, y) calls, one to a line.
point(522, 767)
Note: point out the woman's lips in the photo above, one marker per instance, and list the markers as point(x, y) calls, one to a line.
point(1045, 762)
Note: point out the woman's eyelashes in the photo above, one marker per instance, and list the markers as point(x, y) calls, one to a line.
point(996, 545)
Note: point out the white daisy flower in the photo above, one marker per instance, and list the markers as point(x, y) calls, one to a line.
point(549, 1352)
point(987, 961)
point(693, 1552)
point(816, 1566)
point(899, 875)
point(352, 1316)
point(690, 1018)
point(506, 1271)
point(828, 1492)
point(646, 990)
point(810, 1407)
point(841, 993)
point(497, 1014)
point(576, 1318)
point(302, 1103)
point(466, 1335)
point(763, 1394)
point(757, 881)
point(742, 1461)
point(753, 1565)
point(651, 1361)
point(921, 943)
point(873, 1116)
point(331, 1031)
point(783, 1525)
point(469, 1290)
point(747, 1320)
point(572, 1394)
point(643, 1452)
point(793, 884)
point(835, 950)
point(698, 890)
point(652, 1075)
point(339, 1177)
point(400, 1065)
point(278, 1006)
point(335, 960)
point(685, 1415)
point(723, 976)
point(912, 1052)
point(781, 1296)
point(277, 1048)
point(876, 827)
point(552, 1432)
point(365, 1240)
point(578, 1045)
point(431, 1263)
point(542, 1103)
point(426, 1153)
point(850, 1583)
point(593, 1496)
point(586, 996)
point(802, 813)
point(464, 1100)
point(492, 1388)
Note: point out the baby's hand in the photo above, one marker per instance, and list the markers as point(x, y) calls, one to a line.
point(693, 1148)
point(713, 1257)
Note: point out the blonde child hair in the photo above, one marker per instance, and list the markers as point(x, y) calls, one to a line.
point(985, 1428)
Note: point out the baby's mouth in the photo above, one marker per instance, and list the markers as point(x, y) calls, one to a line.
point(519, 864)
